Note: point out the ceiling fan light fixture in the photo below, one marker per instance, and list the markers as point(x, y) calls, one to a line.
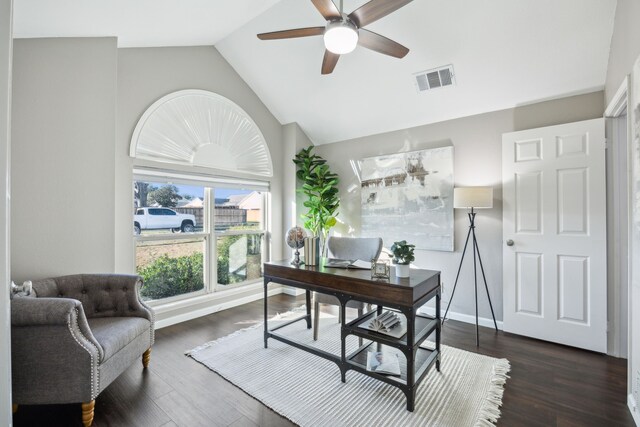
point(341, 37)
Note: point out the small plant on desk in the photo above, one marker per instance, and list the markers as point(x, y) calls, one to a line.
point(402, 257)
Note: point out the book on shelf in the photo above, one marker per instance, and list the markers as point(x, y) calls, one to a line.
point(388, 323)
point(348, 263)
point(385, 363)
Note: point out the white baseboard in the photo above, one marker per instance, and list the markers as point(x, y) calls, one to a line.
point(633, 408)
point(214, 308)
point(482, 321)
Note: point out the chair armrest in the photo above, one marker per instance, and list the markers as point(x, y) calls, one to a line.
point(26, 311)
point(65, 312)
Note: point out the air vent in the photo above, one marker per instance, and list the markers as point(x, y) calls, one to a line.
point(435, 78)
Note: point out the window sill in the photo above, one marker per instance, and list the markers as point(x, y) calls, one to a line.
point(172, 312)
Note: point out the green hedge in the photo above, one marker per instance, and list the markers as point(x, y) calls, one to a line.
point(224, 244)
point(167, 277)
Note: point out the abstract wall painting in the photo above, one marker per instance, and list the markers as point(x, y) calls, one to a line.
point(409, 196)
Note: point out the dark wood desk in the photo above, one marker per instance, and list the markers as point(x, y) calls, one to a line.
point(404, 295)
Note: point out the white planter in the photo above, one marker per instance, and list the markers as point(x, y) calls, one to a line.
point(402, 270)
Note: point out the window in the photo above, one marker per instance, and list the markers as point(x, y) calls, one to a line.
point(197, 239)
point(170, 247)
point(239, 231)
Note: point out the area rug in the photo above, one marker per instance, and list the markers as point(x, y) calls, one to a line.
point(307, 389)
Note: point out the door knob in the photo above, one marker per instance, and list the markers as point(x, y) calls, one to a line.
point(509, 242)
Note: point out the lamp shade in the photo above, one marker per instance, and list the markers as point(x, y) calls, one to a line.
point(472, 197)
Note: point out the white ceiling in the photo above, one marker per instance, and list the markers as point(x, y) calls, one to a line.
point(136, 23)
point(504, 52)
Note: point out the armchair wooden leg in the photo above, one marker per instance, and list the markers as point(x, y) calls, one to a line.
point(316, 319)
point(14, 407)
point(87, 413)
point(146, 357)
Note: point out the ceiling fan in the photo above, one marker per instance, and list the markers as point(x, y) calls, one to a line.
point(344, 32)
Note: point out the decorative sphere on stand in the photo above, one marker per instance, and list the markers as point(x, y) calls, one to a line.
point(295, 240)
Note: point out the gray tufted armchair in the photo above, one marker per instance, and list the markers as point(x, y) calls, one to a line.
point(74, 335)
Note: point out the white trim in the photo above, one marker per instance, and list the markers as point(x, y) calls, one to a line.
point(240, 232)
point(173, 236)
point(466, 318)
point(6, 57)
point(633, 408)
point(619, 101)
point(175, 303)
point(142, 174)
point(214, 308)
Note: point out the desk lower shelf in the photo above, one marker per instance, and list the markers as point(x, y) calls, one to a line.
point(423, 361)
point(424, 326)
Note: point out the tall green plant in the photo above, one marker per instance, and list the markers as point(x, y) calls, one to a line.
point(320, 185)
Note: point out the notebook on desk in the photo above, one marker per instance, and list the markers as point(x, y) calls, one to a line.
point(348, 263)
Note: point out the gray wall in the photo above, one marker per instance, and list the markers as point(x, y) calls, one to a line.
point(5, 276)
point(294, 140)
point(147, 74)
point(76, 104)
point(625, 45)
point(477, 143)
point(63, 132)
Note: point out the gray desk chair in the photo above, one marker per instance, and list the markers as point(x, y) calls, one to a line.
point(364, 248)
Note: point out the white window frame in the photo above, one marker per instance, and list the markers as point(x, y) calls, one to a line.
point(209, 233)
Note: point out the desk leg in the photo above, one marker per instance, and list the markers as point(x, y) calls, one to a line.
point(266, 326)
point(343, 342)
point(308, 309)
point(438, 330)
point(411, 358)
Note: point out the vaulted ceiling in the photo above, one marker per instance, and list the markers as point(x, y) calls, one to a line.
point(505, 53)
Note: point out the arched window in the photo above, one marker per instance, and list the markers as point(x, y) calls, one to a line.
point(201, 128)
point(206, 228)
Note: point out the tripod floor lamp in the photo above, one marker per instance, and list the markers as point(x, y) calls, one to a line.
point(473, 198)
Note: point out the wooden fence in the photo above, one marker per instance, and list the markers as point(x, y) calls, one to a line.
point(225, 216)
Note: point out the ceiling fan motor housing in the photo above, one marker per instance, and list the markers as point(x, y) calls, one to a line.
point(341, 37)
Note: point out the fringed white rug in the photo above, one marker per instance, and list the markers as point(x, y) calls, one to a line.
point(307, 389)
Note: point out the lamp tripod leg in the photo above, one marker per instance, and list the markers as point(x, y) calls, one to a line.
point(486, 287)
point(464, 251)
point(475, 287)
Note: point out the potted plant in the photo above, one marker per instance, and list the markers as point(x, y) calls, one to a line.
point(320, 185)
point(402, 257)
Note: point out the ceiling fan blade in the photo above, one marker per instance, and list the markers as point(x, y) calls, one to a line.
point(327, 8)
point(374, 10)
point(290, 34)
point(329, 62)
point(381, 44)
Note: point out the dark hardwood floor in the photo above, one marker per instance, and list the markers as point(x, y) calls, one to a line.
point(550, 385)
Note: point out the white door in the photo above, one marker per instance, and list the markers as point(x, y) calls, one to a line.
point(554, 232)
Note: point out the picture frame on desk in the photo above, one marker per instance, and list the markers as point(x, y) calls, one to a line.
point(380, 269)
